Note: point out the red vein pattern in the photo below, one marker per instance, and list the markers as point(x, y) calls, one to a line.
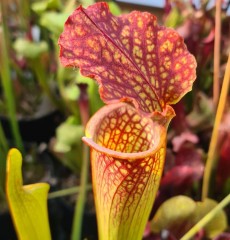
point(123, 130)
point(126, 193)
point(130, 56)
point(125, 188)
point(133, 60)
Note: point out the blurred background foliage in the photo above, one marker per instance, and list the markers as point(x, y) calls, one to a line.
point(44, 107)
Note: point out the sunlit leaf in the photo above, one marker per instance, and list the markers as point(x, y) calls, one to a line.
point(173, 214)
point(53, 21)
point(67, 145)
point(114, 8)
point(72, 92)
point(69, 6)
point(41, 6)
point(180, 213)
point(174, 18)
point(86, 3)
point(127, 157)
point(30, 49)
point(217, 225)
point(69, 133)
point(131, 57)
point(28, 204)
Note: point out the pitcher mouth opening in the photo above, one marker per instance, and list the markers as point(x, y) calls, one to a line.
point(118, 130)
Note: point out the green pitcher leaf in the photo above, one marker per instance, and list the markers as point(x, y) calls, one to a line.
point(28, 204)
point(30, 49)
point(53, 21)
point(72, 92)
point(41, 6)
point(114, 8)
point(173, 213)
point(217, 225)
point(180, 213)
point(68, 145)
point(174, 18)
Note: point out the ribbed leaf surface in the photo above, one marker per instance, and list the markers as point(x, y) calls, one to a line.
point(130, 56)
point(28, 203)
point(127, 160)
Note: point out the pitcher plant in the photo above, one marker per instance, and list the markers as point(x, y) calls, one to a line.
point(141, 68)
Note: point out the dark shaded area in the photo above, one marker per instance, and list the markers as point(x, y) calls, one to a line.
point(37, 129)
point(61, 217)
point(7, 231)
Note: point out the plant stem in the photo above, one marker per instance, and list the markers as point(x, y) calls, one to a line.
point(207, 218)
point(80, 204)
point(7, 86)
point(216, 83)
point(68, 191)
point(213, 143)
point(24, 10)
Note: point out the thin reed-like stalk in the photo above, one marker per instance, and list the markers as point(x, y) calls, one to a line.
point(7, 83)
point(212, 147)
point(80, 204)
point(24, 11)
point(67, 191)
point(216, 75)
point(206, 219)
